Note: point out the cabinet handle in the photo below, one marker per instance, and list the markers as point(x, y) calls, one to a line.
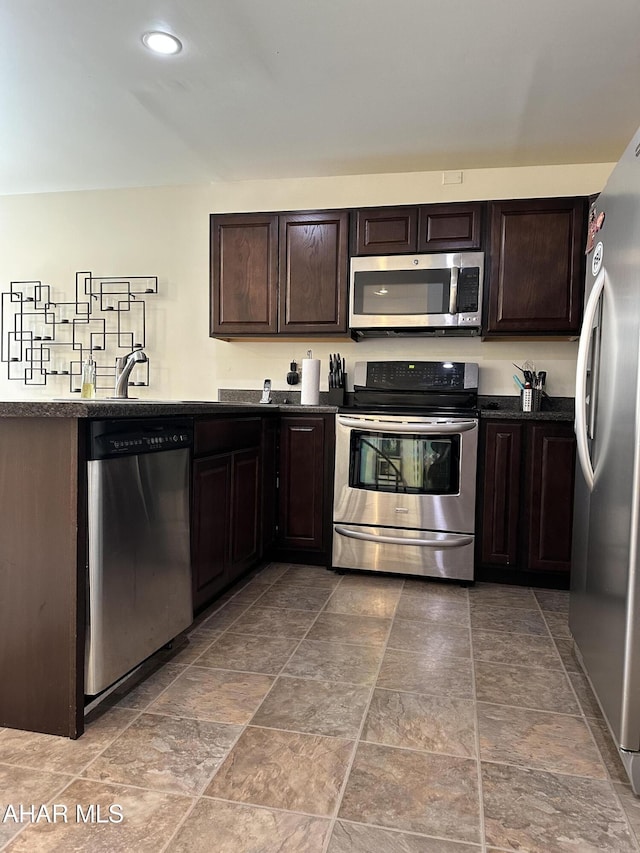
point(301, 429)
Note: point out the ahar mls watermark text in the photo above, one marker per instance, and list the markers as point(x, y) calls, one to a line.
point(60, 813)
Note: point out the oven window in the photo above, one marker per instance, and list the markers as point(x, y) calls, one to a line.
point(408, 464)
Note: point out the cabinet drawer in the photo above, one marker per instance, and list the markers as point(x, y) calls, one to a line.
point(218, 435)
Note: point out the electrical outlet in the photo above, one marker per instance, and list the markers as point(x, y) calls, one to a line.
point(452, 177)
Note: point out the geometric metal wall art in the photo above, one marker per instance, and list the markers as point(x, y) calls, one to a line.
point(44, 338)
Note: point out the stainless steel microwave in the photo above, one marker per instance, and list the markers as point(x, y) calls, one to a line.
point(439, 294)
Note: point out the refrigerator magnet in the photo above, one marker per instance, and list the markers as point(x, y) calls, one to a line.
point(596, 221)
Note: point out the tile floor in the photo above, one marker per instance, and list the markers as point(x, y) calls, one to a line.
point(316, 713)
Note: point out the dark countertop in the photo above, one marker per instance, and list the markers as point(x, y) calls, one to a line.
point(508, 408)
point(140, 409)
point(491, 407)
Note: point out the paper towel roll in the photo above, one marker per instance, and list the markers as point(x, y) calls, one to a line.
point(310, 395)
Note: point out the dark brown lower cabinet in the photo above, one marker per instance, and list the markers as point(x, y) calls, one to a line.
point(262, 488)
point(226, 503)
point(501, 464)
point(526, 479)
point(305, 488)
point(245, 512)
point(269, 482)
point(549, 497)
point(210, 525)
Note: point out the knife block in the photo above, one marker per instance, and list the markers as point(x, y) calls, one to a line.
point(336, 395)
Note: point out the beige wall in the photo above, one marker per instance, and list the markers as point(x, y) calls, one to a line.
point(164, 232)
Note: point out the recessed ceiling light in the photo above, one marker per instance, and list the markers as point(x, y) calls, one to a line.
point(163, 43)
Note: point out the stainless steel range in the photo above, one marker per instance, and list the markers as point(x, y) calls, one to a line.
point(405, 473)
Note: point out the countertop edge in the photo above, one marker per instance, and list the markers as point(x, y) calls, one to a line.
point(490, 408)
point(104, 409)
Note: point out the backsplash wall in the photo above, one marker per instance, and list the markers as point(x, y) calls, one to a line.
point(495, 359)
point(165, 232)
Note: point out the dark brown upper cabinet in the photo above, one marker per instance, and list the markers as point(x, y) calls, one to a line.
point(244, 274)
point(385, 231)
point(536, 274)
point(313, 272)
point(279, 273)
point(423, 228)
point(450, 227)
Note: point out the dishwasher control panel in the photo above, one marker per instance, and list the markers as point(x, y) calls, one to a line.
point(128, 437)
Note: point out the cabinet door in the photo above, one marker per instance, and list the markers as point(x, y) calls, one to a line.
point(244, 274)
point(313, 272)
point(537, 264)
point(245, 513)
point(450, 227)
point(302, 452)
point(268, 476)
point(549, 501)
point(385, 230)
point(210, 525)
point(501, 475)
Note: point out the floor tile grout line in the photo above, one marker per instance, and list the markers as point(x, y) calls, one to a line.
point(412, 833)
point(587, 724)
point(608, 780)
point(551, 771)
point(261, 806)
point(78, 774)
point(264, 698)
point(481, 814)
point(358, 738)
point(180, 824)
point(244, 726)
point(50, 800)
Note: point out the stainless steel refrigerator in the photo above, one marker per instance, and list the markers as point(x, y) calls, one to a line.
point(604, 614)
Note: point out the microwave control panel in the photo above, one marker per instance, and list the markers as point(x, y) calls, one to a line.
point(468, 290)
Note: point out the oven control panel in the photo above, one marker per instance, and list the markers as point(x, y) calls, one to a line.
point(417, 375)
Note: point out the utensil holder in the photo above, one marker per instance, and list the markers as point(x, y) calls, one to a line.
point(530, 399)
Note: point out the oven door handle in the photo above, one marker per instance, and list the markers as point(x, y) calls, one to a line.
point(416, 428)
point(459, 542)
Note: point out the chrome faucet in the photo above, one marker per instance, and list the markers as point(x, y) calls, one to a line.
point(124, 366)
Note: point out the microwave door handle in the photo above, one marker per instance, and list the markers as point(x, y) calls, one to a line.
point(415, 428)
point(453, 291)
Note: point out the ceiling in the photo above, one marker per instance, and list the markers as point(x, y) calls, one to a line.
point(292, 88)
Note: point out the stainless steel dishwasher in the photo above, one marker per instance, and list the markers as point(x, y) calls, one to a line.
point(139, 573)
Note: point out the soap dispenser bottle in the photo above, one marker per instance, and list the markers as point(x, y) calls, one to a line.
point(88, 390)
